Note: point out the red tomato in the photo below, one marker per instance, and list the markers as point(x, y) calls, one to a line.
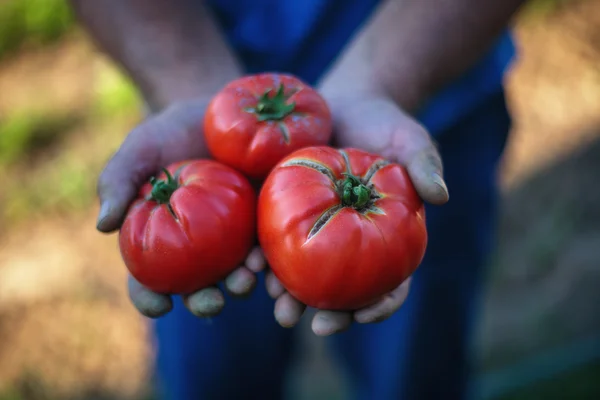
point(257, 120)
point(191, 229)
point(340, 228)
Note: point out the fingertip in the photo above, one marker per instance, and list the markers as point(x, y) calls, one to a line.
point(111, 214)
point(428, 181)
point(440, 193)
point(240, 282)
point(424, 165)
point(288, 310)
point(207, 302)
point(147, 302)
point(386, 307)
point(102, 215)
point(107, 220)
point(377, 313)
point(255, 261)
point(274, 287)
point(155, 306)
point(117, 187)
point(326, 323)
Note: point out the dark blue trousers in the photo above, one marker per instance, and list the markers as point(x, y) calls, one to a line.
point(420, 353)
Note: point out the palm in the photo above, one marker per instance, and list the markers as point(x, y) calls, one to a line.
point(170, 136)
point(176, 134)
point(173, 135)
point(378, 125)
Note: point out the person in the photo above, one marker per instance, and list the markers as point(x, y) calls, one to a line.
point(415, 81)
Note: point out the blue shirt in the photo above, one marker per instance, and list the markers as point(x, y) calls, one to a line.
point(304, 37)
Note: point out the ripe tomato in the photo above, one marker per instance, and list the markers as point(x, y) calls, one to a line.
point(190, 229)
point(340, 228)
point(257, 120)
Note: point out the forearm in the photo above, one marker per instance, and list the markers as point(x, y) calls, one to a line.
point(173, 50)
point(409, 48)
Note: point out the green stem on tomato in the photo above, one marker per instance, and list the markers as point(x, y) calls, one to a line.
point(355, 193)
point(273, 108)
point(163, 189)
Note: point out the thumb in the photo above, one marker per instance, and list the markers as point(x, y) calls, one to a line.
point(416, 150)
point(426, 172)
point(121, 179)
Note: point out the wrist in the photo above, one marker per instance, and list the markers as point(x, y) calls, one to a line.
point(341, 85)
point(164, 89)
point(358, 75)
point(173, 51)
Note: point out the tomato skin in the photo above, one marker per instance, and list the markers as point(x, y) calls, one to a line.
point(356, 257)
point(213, 233)
point(237, 138)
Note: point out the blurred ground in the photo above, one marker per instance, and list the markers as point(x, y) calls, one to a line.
point(67, 330)
point(545, 268)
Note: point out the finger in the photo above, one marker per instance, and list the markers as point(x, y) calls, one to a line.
point(387, 306)
point(425, 171)
point(121, 179)
point(327, 323)
point(415, 149)
point(255, 261)
point(205, 303)
point(288, 310)
point(147, 302)
point(274, 287)
point(240, 282)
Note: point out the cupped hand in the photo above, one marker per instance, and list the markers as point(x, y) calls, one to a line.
point(173, 135)
point(376, 124)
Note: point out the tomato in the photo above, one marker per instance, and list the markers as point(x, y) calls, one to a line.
point(255, 121)
point(340, 228)
point(189, 229)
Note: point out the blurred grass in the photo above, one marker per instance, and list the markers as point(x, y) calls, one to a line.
point(40, 174)
point(539, 8)
point(65, 187)
point(65, 181)
point(23, 132)
point(32, 22)
point(535, 10)
point(115, 94)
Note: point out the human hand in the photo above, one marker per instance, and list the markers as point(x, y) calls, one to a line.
point(173, 135)
point(376, 124)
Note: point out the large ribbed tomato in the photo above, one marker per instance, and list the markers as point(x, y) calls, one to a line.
point(255, 121)
point(190, 229)
point(340, 228)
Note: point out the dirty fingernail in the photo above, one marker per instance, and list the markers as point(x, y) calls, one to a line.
point(206, 302)
point(152, 305)
point(103, 213)
point(435, 177)
point(155, 306)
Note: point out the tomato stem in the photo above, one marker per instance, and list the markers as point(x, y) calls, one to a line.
point(163, 189)
point(273, 108)
point(355, 193)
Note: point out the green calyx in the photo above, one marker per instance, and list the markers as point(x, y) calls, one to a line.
point(163, 189)
point(273, 108)
point(355, 193)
